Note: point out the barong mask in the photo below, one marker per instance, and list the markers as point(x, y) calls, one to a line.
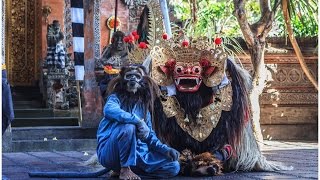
point(188, 66)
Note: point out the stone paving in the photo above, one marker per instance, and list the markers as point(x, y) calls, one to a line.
point(302, 155)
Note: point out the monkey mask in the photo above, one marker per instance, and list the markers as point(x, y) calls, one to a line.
point(133, 78)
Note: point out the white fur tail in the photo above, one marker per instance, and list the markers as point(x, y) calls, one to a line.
point(249, 156)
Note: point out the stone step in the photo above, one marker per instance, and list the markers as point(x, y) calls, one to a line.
point(38, 112)
point(290, 131)
point(49, 133)
point(45, 121)
point(45, 112)
point(54, 145)
point(23, 96)
point(27, 104)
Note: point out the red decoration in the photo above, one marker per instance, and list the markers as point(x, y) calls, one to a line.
point(126, 39)
point(136, 37)
point(218, 41)
point(185, 43)
point(108, 67)
point(165, 70)
point(205, 63)
point(142, 45)
point(134, 33)
point(112, 40)
point(170, 64)
point(209, 71)
point(165, 36)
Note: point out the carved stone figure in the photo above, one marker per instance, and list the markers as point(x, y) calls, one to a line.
point(116, 53)
point(56, 51)
point(114, 56)
point(56, 68)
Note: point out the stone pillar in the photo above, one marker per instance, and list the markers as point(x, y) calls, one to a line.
point(92, 101)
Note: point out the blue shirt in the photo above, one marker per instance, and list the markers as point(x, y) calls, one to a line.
point(113, 114)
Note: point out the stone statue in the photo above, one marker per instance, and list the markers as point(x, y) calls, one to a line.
point(115, 56)
point(56, 51)
point(116, 53)
point(56, 68)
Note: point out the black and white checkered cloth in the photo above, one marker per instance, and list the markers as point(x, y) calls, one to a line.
point(56, 56)
point(77, 18)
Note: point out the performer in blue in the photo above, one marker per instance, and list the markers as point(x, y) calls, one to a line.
point(7, 105)
point(127, 143)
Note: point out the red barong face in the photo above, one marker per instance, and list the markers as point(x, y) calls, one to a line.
point(187, 76)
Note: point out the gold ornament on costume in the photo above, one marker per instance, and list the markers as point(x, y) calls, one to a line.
point(208, 117)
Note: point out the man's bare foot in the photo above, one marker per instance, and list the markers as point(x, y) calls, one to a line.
point(127, 174)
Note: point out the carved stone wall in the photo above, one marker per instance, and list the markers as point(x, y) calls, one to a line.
point(289, 105)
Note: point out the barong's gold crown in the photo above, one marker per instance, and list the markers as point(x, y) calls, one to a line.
point(178, 49)
point(197, 52)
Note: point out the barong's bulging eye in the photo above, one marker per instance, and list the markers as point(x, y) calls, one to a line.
point(179, 69)
point(197, 69)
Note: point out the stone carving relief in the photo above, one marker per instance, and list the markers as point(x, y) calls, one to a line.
point(289, 98)
point(135, 3)
point(290, 75)
point(294, 75)
point(281, 76)
point(97, 34)
point(3, 30)
point(21, 42)
point(68, 26)
point(289, 84)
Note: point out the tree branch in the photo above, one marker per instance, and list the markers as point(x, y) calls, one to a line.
point(240, 14)
point(264, 25)
point(265, 7)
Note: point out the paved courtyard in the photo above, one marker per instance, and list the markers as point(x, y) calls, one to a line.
point(302, 155)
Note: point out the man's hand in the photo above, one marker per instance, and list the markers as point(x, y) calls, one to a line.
point(143, 130)
point(173, 154)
